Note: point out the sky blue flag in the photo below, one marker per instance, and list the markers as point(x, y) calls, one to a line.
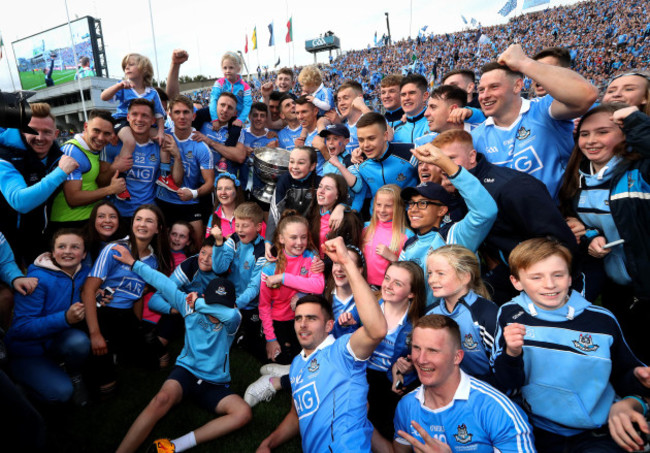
point(464, 20)
point(531, 3)
point(474, 22)
point(271, 38)
point(508, 7)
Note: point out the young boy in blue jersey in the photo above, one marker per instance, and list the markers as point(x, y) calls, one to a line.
point(242, 257)
point(428, 206)
point(337, 136)
point(202, 370)
point(452, 411)
point(414, 92)
point(386, 163)
point(549, 324)
point(328, 378)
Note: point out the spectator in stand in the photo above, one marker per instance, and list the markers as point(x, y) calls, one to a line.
point(391, 101)
point(465, 79)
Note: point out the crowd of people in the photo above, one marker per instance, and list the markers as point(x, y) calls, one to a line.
point(460, 269)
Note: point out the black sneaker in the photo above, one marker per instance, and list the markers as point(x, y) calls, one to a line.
point(80, 391)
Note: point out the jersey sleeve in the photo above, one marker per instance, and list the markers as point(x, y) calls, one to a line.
point(9, 270)
point(253, 288)
point(402, 421)
point(165, 286)
point(205, 157)
point(229, 317)
point(505, 422)
point(214, 97)
point(24, 198)
point(223, 255)
point(246, 108)
point(82, 160)
point(159, 110)
point(30, 322)
point(104, 263)
point(482, 212)
point(265, 304)
point(507, 372)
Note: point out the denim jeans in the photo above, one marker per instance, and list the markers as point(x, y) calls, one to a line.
point(43, 374)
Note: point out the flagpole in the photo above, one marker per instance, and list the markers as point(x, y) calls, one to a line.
point(13, 85)
point(74, 55)
point(155, 49)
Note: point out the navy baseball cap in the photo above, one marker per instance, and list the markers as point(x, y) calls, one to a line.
point(335, 129)
point(429, 190)
point(220, 291)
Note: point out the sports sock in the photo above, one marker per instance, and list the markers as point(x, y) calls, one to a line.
point(185, 442)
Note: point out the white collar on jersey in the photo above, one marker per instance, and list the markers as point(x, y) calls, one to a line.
point(326, 342)
point(462, 393)
point(525, 106)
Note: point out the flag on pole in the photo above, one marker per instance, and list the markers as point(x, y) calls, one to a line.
point(289, 36)
point(277, 63)
point(508, 7)
point(254, 38)
point(474, 22)
point(271, 39)
point(246, 45)
point(2, 44)
point(464, 20)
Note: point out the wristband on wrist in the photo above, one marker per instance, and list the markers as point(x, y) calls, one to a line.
point(644, 405)
point(195, 193)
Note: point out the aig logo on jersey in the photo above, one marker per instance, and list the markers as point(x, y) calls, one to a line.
point(463, 437)
point(526, 160)
point(306, 400)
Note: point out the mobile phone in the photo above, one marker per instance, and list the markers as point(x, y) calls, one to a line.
point(613, 243)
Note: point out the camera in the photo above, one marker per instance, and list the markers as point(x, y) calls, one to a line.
point(15, 112)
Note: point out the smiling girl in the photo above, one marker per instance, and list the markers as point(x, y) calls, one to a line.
point(113, 324)
point(228, 195)
point(455, 278)
point(282, 283)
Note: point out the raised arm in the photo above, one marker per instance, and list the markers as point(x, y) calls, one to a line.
point(179, 57)
point(572, 94)
point(365, 339)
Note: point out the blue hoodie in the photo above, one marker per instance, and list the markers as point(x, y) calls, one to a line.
point(574, 361)
point(40, 316)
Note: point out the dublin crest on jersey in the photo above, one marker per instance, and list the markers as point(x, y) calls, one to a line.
point(523, 133)
point(469, 342)
point(463, 437)
point(313, 366)
point(585, 343)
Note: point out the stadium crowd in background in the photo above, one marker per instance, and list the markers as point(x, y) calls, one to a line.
point(454, 259)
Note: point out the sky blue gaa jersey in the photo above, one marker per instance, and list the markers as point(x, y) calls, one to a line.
point(320, 159)
point(219, 136)
point(286, 137)
point(354, 140)
point(395, 166)
point(535, 143)
point(196, 156)
point(415, 126)
point(479, 419)
point(128, 285)
point(255, 141)
point(339, 307)
point(140, 178)
point(330, 393)
point(126, 95)
point(207, 343)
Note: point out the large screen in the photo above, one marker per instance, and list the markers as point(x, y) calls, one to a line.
point(46, 58)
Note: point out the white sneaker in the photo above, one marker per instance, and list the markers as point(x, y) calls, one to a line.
point(275, 370)
point(260, 390)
